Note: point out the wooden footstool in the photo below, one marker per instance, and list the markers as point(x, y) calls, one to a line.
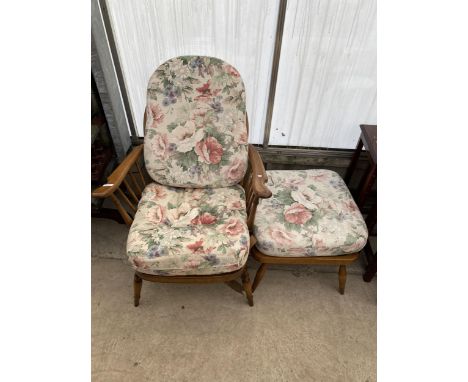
point(310, 219)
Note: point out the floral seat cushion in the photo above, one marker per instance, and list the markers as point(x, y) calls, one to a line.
point(311, 213)
point(196, 132)
point(191, 231)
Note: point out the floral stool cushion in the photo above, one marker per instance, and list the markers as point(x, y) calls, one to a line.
point(180, 231)
point(311, 213)
point(196, 126)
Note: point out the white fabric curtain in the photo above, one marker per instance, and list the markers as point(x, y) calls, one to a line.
point(327, 74)
point(241, 32)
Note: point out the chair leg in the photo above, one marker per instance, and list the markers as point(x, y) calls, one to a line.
point(247, 286)
point(259, 276)
point(342, 278)
point(137, 284)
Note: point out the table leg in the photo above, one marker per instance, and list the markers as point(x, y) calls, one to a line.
point(366, 185)
point(353, 163)
point(371, 258)
point(371, 268)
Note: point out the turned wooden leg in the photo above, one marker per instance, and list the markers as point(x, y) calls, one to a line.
point(137, 283)
point(259, 276)
point(366, 185)
point(354, 161)
point(247, 286)
point(371, 268)
point(342, 278)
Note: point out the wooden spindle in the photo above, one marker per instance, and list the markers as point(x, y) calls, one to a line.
point(141, 174)
point(130, 190)
point(126, 217)
point(124, 197)
point(137, 186)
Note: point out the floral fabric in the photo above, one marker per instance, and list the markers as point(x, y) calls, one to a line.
point(196, 133)
point(190, 231)
point(311, 213)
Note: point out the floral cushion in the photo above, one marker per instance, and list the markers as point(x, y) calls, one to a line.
point(189, 231)
point(311, 213)
point(196, 132)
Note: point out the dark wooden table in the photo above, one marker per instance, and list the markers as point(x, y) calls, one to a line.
point(368, 139)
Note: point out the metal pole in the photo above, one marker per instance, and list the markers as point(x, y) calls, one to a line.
point(274, 69)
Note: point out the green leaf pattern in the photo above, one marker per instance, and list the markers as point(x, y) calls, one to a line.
point(196, 132)
point(189, 231)
point(311, 213)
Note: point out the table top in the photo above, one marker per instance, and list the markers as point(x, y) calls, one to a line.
point(369, 139)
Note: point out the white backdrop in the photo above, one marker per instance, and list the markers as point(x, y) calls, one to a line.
point(241, 32)
point(327, 74)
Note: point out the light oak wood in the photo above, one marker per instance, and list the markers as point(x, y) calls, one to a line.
point(247, 286)
point(259, 276)
point(130, 190)
point(137, 284)
point(342, 278)
point(126, 200)
point(142, 178)
point(137, 186)
point(126, 217)
point(341, 261)
point(254, 184)
point(119, 174)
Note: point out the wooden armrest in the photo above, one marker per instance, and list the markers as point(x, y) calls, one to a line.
point(259, 176)
point(118, 175)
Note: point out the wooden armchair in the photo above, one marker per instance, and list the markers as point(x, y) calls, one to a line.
point(191, 222)
point(127, 182)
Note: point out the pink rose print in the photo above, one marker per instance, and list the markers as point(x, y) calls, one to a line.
point(157, 214)
point(209, 150)
point(196, 247)
point(233, 227)
point(205, 89)
point(297, 214)
point(358, 245)
point(192, 264)
point(294, 182)
point(138, 262)
point(281, 237)
point(320, 245)
point(161, 146)
point(156, 114)
point(237, 205)
point(195, 193)
point(231, 71)
point(320, 177)
point(236, 171)
point(205, 218)
point(159, 191)
point(206, 94)
point(350, 206)
point(243, 138)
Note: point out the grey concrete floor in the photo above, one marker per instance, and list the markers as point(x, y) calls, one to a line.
point(300, 329)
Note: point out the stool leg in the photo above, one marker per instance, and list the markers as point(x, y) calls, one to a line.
point(247, 286)
point(342, 278)
point(137, 284)
point(259, 276)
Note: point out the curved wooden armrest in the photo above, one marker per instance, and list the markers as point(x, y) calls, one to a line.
point(254, 185)
point(118, 175)
point(259, 176)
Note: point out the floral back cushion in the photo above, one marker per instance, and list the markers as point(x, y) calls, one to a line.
point(196, 133)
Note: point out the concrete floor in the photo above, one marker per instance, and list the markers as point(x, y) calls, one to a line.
point(300, 329)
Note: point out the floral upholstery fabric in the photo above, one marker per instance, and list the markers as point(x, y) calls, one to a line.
point(189, 231)
point(311, 213)
point(196, 132)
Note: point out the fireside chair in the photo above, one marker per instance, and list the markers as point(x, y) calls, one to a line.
point(310, 219)
point(191, 221)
